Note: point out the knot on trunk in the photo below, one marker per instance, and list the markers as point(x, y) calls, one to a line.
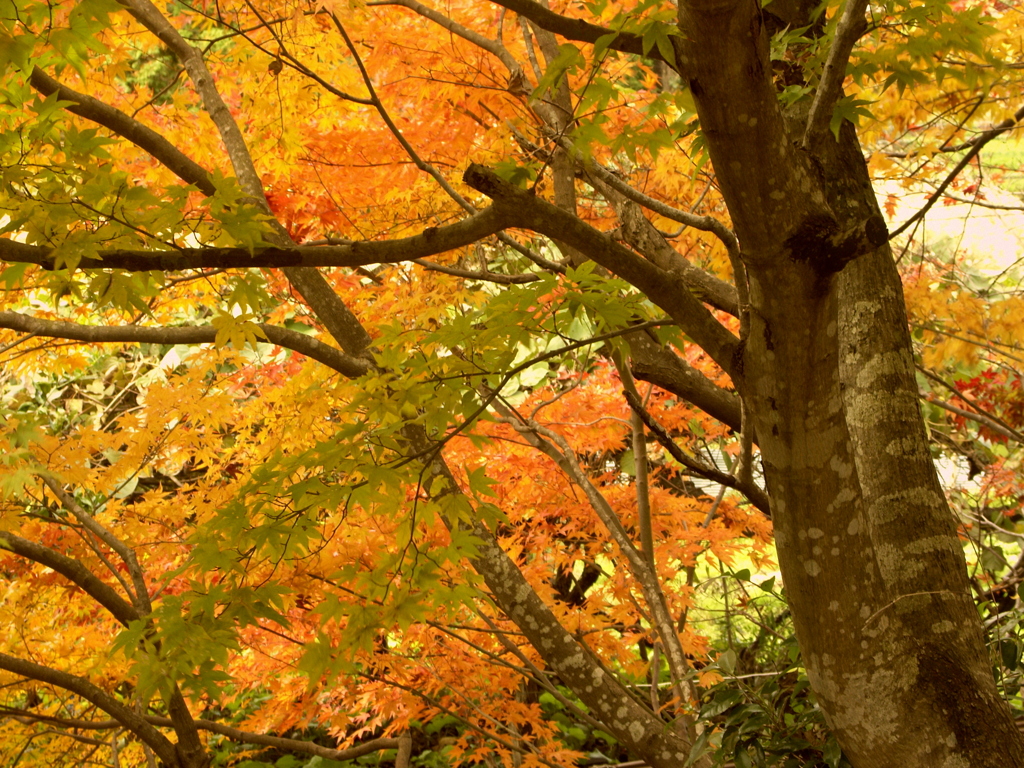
point(820, 243)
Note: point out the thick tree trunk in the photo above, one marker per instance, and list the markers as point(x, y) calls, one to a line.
point(868, 547)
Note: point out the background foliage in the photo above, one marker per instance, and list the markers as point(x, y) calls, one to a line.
point(302, 581)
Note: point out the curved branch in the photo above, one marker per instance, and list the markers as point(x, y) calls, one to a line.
point(641, 564)
point(757, 497)
point(978, 409)
point(349, 366)
point(654, 363)
point(639, 232)
point(491, 46)
point(235, 734)
point(339, 320)
point(703, 223)
point(579, 30)
point(141, 597)
point(978, 417)
point(129, 128)
point(75, 572)
point(482, 275)
point(636, 727)
point(191, 58)
point(290, 745)
point(520, 208)
point(134, 722)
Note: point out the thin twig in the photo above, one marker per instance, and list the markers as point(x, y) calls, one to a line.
point(977, 144)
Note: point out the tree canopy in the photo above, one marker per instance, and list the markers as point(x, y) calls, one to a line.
point(504, 382)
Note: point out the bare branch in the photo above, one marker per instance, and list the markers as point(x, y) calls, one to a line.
point(310, 284)
point(645, 237)
point(568, 658)
point(539, 676)
point(757, 497)
point(140, 598)
point(665, 289)
point(346, 365)
point(290, 745)
point(480, 274)
point(977, 144)
point(1007, 429)
point(640, 464)
point(641, 564)
point(491, 46)
point(703, 223)
point(980, 418)
point(655, 363)
point(235, 734)
point(191, 58)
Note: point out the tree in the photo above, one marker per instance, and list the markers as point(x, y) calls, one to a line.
point(549, 148)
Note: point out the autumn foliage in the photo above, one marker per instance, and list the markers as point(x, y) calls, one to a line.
point(272, 540)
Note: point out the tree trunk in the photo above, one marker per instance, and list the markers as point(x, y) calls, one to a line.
point(868, 548)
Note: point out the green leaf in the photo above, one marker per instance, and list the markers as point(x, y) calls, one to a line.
point(832, 752)
point(568, 59)
point(514, 173)
point(848, 108)
point(657, 34)
point(602, 43)
point(724, 699)
point(1009, 650)
point(699, 748)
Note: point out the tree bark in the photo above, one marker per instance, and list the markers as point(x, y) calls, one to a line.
point(868, 548)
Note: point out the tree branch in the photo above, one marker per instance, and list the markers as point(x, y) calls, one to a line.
point(636, 727)
point(771, 187)
point(430, 242)
point(493, 47)
point(641, 564)
point(522, 209)
point(645, 237)
point(310, 284)
point(851, 26)
point(703, 223)
point(655, 363)
point(191, 58)
point(75, 572)
point(757, 497)
point(482, 275)
point(289, 745)
point(141, 597)
point(129, 128)
point(349, 366)
point(137, 724)
point(579, 30)
point(235, 734)
point(977, 144)
point(980, 418)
